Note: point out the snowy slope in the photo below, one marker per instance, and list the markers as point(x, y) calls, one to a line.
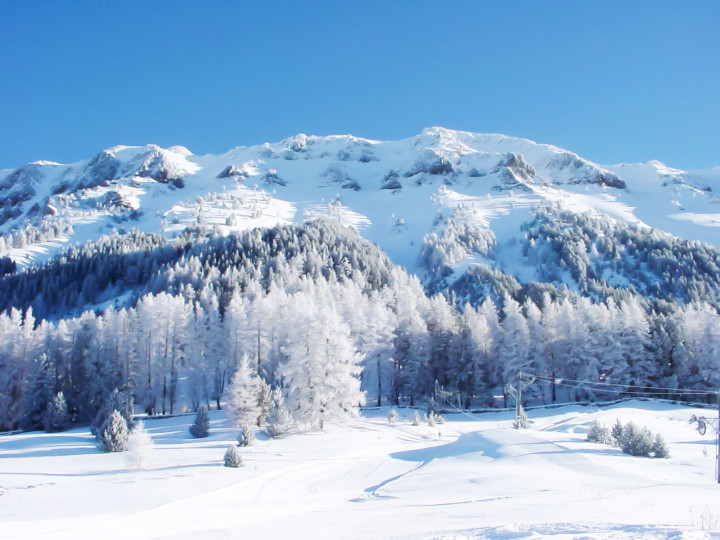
point(472, 477)
point(392, 191)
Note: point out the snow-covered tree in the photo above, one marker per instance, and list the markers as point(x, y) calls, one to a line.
point(140, 446)
point(514, 349)
point(633, 338)
point(322, 367)
point(244, 394)
point(56, 415)
point(279, 420)
point(246, 437)
point(113, 437)
point(201, 426)
point(232, 457)
point(116, 400)
point(39, 394)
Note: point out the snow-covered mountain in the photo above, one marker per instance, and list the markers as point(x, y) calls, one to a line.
point(547, 263)
point(419, 199)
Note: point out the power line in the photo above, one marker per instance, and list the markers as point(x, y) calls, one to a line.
point(623, 388)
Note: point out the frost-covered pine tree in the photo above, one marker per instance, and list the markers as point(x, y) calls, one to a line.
point(117, 401)
point(616, 433)
point(56, 416)
point(201, 427)
point(244, 394)
point(140, 446)
point(246, 437)
point(322, 369)
point(114, 434)
point(232, 457)
point(264, 397)
point(279, 420)
point(392, 416)
point(659, 447)
point(514, 350)
point(634, 339)
point(39, 394)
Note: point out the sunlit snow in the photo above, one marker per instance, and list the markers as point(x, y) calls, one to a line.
point(472, 477)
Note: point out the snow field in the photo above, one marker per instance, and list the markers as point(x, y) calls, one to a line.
point(471, 477)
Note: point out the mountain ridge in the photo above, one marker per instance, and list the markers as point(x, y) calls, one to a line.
point(395, 193)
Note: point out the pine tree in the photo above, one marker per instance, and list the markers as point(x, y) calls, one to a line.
point(56, 416)
point(201, 427)
point(514, 350)
point(233, 458)
point(245, 394)
point(598, 433)
point(279, 420)
point(322, 368)
point(264, 397)
point(39, 394)
point(616, 433)
point(114, 434)
point(246, 437)
point(659, 448)
point(117, 401)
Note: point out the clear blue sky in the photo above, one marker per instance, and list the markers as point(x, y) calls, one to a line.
point(611, 80)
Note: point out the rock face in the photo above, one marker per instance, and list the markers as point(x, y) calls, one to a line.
point(430, 163)
point(104, 166)
point(391, 181)
point(231, 171)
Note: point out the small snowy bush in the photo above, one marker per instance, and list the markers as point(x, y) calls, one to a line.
point(616, 432)
point(246, 437)
point(140, 446)
point(637, 441)
point(598, 433)
point(706, 518)
point(392, 416)
point(233, 457)
point(659, 448)
point(201, 426)
point(416, 419)
point(114, 435)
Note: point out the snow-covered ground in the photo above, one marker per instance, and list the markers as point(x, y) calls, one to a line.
point(472, 477)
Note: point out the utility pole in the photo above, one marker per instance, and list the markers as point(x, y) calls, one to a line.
point(516, 392)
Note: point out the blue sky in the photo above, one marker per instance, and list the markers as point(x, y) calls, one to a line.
point(613, 81)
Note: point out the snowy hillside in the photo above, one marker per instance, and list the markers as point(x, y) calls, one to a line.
point(396, 193)
point(472, 477)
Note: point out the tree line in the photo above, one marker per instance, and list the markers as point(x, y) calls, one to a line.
point(320, 316)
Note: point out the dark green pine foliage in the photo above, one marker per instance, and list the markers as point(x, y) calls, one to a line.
point(201, 427)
